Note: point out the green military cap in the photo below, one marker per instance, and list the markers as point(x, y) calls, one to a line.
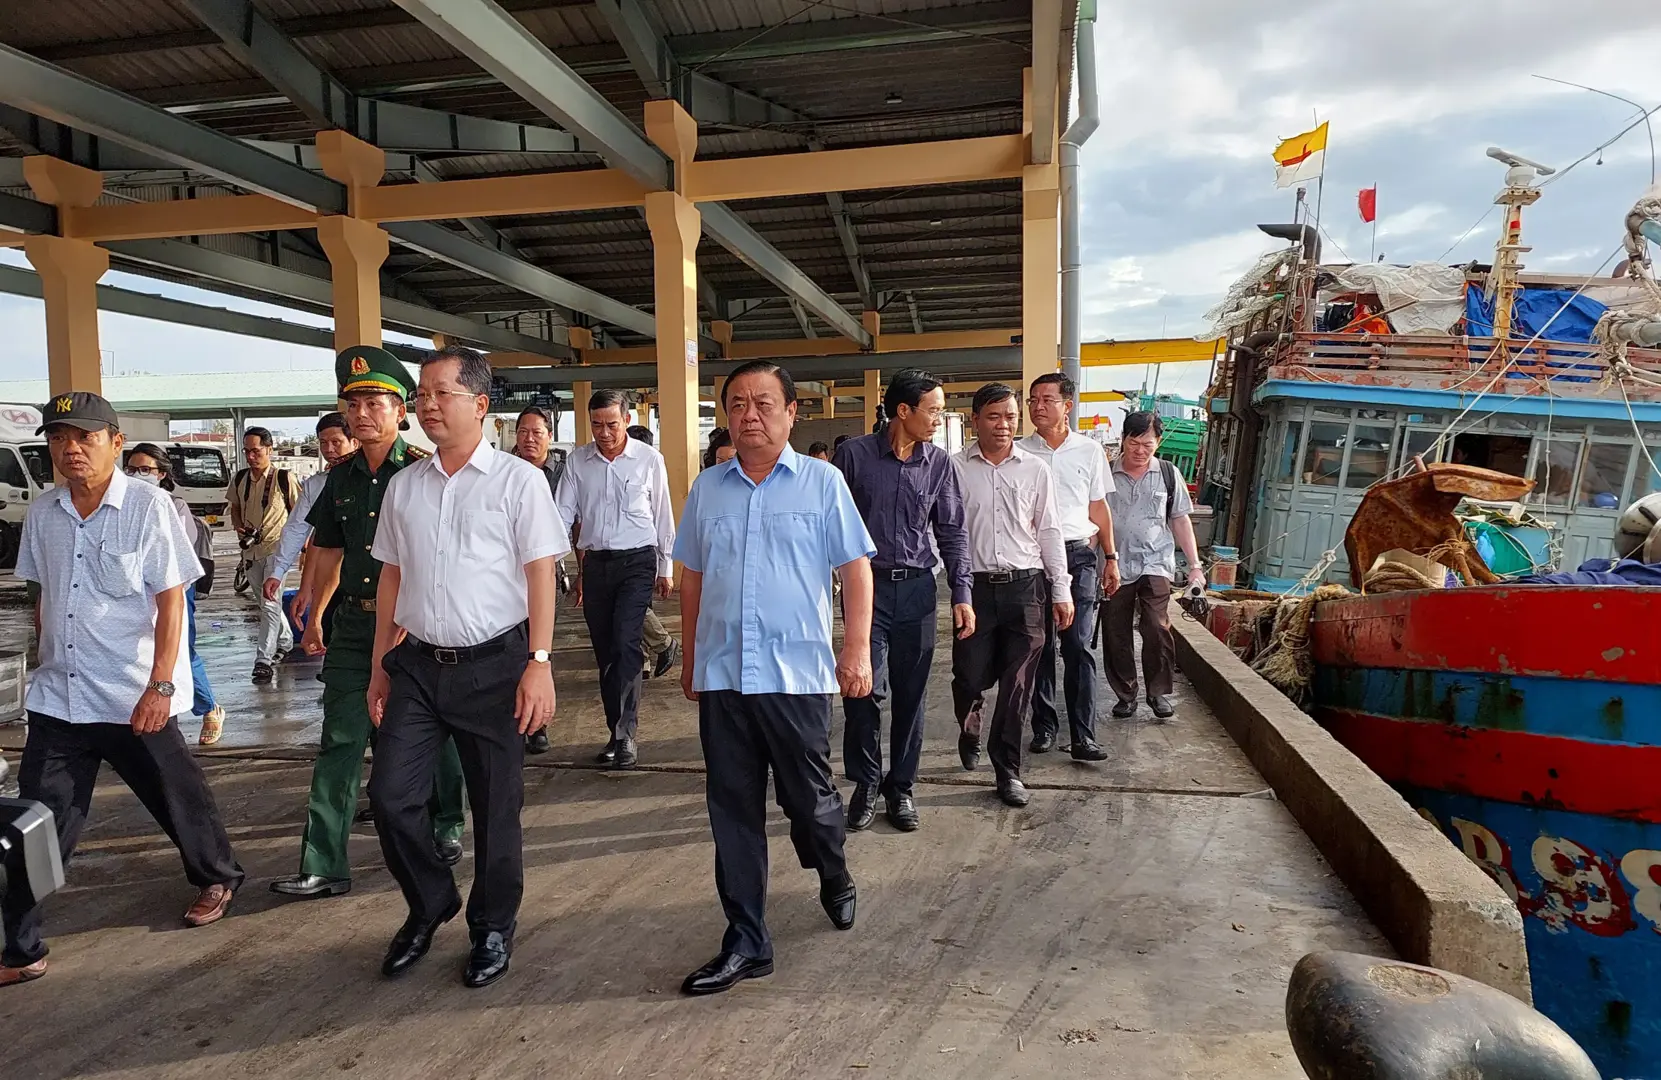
point(365, 367)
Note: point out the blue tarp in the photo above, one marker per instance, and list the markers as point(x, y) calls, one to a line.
point(1602, 572)
point(1533, 310)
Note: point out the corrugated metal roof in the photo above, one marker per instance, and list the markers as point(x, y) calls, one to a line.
point(954, 249)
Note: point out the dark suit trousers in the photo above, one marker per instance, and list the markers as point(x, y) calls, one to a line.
point(1150, 597)
point(617, 593)
point(1078, 663)
point(744, 735)
point(60, 765)
point(902, 650)
point(1009, 635)
point(471, 702)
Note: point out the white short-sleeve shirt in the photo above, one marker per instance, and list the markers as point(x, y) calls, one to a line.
point(98, 579)
point(461, 543)
point(1078, 468)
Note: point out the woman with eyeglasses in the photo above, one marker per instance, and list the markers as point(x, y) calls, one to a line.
point(149, 464)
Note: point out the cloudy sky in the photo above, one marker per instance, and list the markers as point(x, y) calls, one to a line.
point(1195, 94)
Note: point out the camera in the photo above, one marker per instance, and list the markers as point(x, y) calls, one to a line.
point(29, 858)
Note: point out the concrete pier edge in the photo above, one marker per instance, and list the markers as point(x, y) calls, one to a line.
point(1435, 905)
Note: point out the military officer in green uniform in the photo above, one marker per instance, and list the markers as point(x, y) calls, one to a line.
point(374, 385)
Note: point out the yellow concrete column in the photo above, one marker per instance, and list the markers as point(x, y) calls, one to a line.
point(1040, 273)
point(873, 397)
point(676, 226)
point(720, 402)
point(356, 250)
point(872, 321)
point(580, 393)
point(721, 331)
point(829, 411)
point(69, 271)
point(579, 337)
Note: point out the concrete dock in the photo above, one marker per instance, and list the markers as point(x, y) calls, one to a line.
point(1138, 920)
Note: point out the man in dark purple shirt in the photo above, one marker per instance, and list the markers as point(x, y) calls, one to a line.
point(905, 488)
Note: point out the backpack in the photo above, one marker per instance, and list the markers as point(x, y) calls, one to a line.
point(1169, 472)
point(285, 484)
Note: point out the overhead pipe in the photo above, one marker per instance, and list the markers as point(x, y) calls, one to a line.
point(1082, 127)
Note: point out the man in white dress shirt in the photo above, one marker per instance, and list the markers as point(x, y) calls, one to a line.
point(1078, 469)
point(1014, 542)
point(615, 495)
point(468, 540)
point(334, 445)
point(112, 561)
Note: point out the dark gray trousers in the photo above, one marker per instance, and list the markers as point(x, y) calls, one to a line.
point(59, 768)
point(471, 702)
point(617, 594)
point(744, 735)
point(902, 650)
point(1009, 635)
point(1078, 663)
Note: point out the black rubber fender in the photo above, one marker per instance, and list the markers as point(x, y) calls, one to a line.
point(1354, 1017)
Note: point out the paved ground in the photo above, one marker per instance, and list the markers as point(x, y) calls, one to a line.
point(1139, 919)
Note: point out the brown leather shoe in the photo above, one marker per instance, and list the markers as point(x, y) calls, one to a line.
point(210, 906)
point(10, 976)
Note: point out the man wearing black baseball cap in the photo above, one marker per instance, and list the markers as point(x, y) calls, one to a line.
point(112, 562)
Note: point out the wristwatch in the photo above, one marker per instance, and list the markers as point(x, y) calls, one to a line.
point(540, 656)
point(1110, 556)
point(162, 687)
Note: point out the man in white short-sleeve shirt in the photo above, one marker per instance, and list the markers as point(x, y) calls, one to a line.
point(468, 540)
point(112, 562)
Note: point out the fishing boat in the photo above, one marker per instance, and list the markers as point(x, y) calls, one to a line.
point(1523, 720)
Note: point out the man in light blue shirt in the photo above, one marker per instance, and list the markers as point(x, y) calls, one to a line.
point(759, 538)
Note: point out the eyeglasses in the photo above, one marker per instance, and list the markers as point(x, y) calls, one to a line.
point(436, 397)
point(141, 470)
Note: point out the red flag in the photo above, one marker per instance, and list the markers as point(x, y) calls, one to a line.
point(1368, 201)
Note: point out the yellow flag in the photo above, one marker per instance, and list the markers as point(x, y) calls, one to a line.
point(1300, 158)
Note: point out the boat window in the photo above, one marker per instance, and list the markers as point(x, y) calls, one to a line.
point(1424, 443)
point(1502, 453)
point(1603, 477)
point(1555, 464)
point(1288, 457)
point(1369, 455)
point(1323, 454)
point(11, 469)
point(1647, 481)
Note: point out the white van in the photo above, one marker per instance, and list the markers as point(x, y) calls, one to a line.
point(201, 478)
point(25, 472)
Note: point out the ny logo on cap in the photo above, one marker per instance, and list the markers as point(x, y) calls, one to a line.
point(360, 366)
point(64, 404)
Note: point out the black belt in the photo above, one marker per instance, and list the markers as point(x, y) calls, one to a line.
point(1004, 577)
point(1079, 543)
point(900, 573)
point(462, 654)
point(359, 602)
point(607, 553)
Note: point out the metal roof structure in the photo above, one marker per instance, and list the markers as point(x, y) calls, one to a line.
point(759, 76)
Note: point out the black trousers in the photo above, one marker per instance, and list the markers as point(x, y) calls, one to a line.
point(471, 702)
point(744, 735)
point(1078, 663)
point(902, 650)
point(617, 593)
point(1009, 635)
point(60, 765)
point(1149, 597)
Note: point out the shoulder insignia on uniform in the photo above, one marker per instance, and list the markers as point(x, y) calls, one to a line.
point(416, 452)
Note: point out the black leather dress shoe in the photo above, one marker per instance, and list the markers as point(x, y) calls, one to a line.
point(366, 816)
point(1013, 792)
point(725, 972)
point(862, 807)
point(1124, 710)
point(902, 812)
point(1042, 743)
point(487, 962)
point(625, 756)
point(1088, 750)
point(608, 755)
point(1161, 706)
point(537, 742)
point(311, 886)
point(968, 751)
point(449, 851)
point(413, 939)
point(839, 898)
point(667, 659)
